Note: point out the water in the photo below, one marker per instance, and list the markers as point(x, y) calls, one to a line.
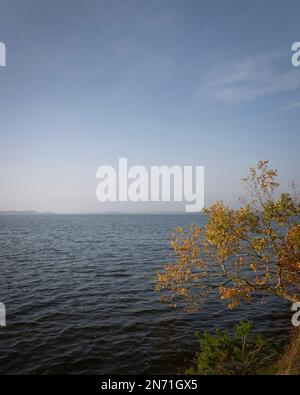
point(79, 297)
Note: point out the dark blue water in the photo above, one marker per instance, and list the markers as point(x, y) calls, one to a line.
point(79, 297)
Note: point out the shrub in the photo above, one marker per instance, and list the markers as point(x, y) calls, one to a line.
point(236, 354)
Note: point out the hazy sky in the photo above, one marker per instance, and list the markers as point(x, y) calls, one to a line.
point(160, 82)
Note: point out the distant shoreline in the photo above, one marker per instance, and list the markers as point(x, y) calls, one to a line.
point(25, 212)
point(32, 212)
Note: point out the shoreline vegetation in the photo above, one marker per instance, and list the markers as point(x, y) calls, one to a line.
point(240, 352)
point(240, 253)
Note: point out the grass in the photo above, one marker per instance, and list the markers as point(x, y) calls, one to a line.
point(289, 362)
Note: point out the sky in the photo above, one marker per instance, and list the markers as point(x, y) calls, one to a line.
point(161, 82)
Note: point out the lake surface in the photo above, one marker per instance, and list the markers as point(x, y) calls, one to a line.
point(79, 297)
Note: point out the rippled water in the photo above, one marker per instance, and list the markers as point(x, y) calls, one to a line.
point(80, 299)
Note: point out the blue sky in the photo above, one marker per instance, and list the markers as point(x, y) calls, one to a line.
point(160, 82)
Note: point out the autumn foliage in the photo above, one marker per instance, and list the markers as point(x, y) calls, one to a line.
point(252, 250)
